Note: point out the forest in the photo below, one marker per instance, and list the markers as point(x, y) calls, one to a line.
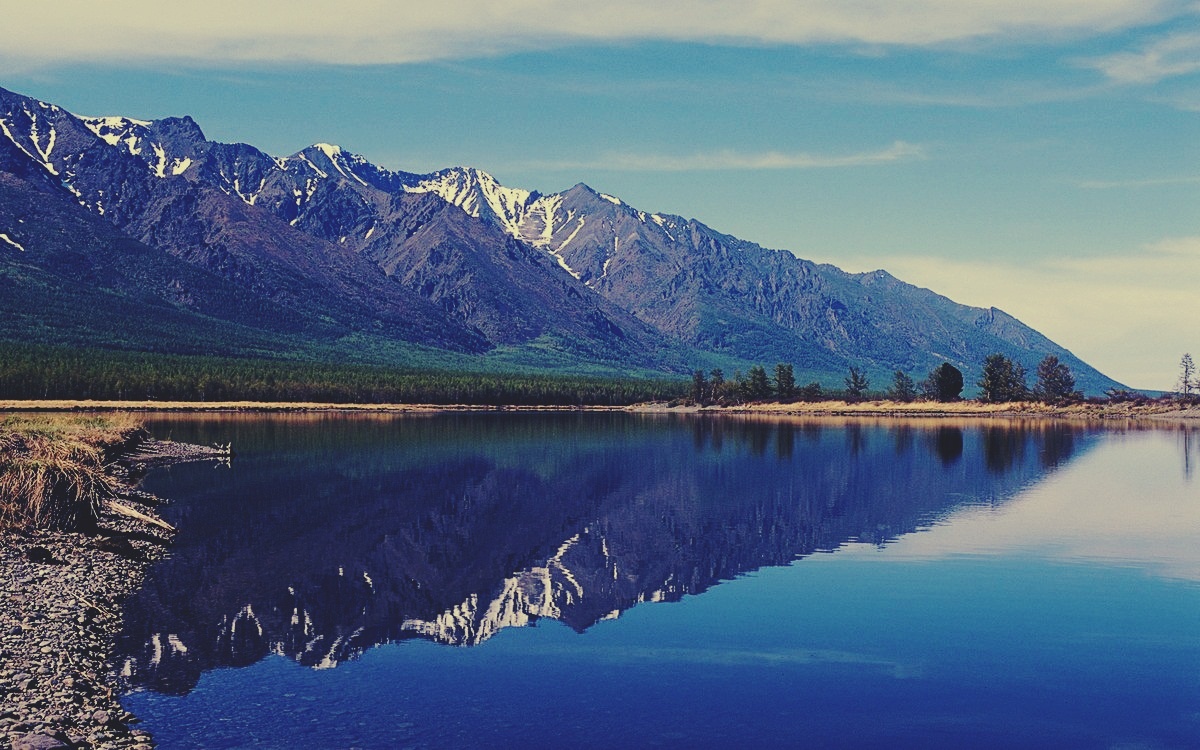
point(49, 372)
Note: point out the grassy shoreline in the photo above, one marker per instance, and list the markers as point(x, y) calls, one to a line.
point(56, 470)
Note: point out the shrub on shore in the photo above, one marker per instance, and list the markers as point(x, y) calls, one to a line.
point(54, 468)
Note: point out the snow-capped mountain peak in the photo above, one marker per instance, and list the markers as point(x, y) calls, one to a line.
point(479, 194)
point(331, 150)
point(115, 131)
point(336, 160)
point(167, 154)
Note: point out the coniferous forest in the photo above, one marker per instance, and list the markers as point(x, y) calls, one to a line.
point(46, 372)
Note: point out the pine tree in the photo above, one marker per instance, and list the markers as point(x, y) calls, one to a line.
point(699, 386)
point(1187, 372)
point(903, 389)
point(785, 382)
point(1003, 380)
point(1055, 383)
point(856, 385)
point(757, 385)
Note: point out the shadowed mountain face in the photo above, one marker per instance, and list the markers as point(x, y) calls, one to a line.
point(253, 254)
point(330, 534)
point(456, 261)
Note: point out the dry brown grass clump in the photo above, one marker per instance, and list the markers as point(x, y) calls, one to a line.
point(54, 468)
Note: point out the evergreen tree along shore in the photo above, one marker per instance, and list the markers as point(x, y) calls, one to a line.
point(1003, 382)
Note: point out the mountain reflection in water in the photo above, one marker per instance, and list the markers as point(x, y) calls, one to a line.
point(330, 534)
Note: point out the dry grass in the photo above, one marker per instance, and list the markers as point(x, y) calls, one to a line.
point(971, 409)
point(54, 467)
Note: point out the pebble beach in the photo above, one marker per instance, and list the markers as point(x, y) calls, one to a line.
point(61, 594)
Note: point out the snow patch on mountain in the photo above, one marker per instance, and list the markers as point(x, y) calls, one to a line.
point(116, 131)
point(8, 134)
point(570, 237)
point(323, 174)
point(330, 150)
point(159, 168)
point(11, 241)
point(43, 152)
point(341, 160)
point(540, 221)
point(479, 194)
point(563, 263)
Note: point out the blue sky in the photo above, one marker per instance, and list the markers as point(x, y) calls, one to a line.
point(1040, 157)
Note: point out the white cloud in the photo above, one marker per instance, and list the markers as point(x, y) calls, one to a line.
point(1130, 316)
point(380, 31)
point(1167, 57)
point(736, 160)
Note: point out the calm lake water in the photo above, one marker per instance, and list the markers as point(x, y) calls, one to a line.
point(598, 580)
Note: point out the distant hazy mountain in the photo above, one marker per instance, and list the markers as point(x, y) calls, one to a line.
point(322, 251)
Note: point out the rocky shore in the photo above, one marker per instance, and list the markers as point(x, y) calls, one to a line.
point(60, 614)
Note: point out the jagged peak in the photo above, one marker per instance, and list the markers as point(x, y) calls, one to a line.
point(166, 145)
point(331, 160)
point(582, 187)
point(179, 127)
point(115, 130)
point(463, 177)
point(115, 122)
point(479, 194)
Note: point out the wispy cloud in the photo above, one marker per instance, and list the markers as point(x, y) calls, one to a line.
point(1170, 56)
point(375, 31)
point(1147, 183)
point(726, 160)
point(1122, 314)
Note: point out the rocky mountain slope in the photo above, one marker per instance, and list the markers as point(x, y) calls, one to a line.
point(323, 246)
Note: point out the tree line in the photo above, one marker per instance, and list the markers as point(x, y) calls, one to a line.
point(1003, 380)
point(45, 372)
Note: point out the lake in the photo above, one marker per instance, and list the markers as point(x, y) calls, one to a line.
point(615, 580)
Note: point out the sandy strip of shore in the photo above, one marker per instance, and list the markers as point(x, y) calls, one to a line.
point(960, 409)
point(1152, 410)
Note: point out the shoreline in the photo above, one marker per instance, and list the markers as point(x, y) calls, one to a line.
point(923, 409)
point(960, 410)
point(62, 593)
point(61, 599)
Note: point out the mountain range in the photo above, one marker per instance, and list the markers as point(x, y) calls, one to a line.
point(145, 235)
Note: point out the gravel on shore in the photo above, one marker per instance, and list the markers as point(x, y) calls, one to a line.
point(60, 614)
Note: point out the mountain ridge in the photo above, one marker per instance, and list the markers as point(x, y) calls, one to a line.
point(455, 260)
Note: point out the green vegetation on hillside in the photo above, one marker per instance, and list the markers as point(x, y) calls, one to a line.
point(45, 372)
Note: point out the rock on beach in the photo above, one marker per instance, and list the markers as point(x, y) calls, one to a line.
point(60, 614)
